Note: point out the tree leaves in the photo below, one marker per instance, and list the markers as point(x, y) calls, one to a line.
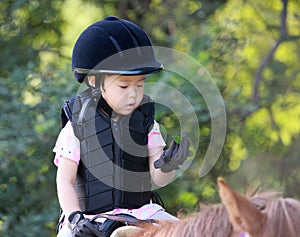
point(234, 40)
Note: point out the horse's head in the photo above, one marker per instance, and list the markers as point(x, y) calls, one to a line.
point(275, 218)
point(262, 215)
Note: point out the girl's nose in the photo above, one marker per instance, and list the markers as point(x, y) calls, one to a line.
point(133, 92)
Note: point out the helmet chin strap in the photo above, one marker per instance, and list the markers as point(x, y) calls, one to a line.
point(96, 93)
point(95, 97)
point(105, 107)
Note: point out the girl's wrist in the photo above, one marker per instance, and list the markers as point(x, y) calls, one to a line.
point(77, 213)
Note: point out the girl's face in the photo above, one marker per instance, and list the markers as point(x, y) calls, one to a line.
point(123, 93)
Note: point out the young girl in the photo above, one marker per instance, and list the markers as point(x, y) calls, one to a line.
point(110, 149)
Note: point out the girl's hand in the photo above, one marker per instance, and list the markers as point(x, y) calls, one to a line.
point(174, 156)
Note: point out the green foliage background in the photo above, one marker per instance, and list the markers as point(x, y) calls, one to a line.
point(250, 48)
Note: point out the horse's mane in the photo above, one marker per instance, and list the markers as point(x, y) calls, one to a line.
point(204, 221)
point(283, 217)
point(211, 220)
point(283, 214)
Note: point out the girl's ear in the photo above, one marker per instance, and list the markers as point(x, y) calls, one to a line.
point(244, 216)
point(91, 80)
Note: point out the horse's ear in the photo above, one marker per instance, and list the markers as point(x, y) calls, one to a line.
point(244, 216)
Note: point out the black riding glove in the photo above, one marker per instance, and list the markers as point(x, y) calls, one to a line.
point(174, 156)
point(83, 227)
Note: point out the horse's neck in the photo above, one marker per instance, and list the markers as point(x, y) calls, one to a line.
point(125, 231)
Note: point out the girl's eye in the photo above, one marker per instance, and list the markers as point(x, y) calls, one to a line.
point(141, 85)
point(123, 87)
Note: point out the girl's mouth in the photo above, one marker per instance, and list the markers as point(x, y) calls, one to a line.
point(130, 106)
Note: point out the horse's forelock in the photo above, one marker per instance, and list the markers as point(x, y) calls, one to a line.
point(260, 200)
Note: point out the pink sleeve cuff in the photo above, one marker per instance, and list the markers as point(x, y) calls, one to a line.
point(155, 138)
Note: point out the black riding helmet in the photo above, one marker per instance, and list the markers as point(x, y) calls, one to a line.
point(113, 46)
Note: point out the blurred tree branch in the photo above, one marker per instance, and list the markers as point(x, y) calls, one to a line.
point(255, 102)
point(282, 38)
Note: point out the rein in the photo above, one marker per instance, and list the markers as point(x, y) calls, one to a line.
point(113, 222)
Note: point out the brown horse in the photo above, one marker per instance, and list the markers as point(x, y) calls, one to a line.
point(263, 215)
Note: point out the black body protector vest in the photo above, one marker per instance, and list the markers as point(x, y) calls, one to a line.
point(113, 170)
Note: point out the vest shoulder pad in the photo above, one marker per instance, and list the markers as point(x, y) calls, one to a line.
point(147, 105)
point(148, 109)
point(73, 105)
point(66, 111)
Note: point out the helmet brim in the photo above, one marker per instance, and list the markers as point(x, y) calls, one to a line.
point(132, 72)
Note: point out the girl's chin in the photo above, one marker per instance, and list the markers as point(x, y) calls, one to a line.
point(126, 111)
